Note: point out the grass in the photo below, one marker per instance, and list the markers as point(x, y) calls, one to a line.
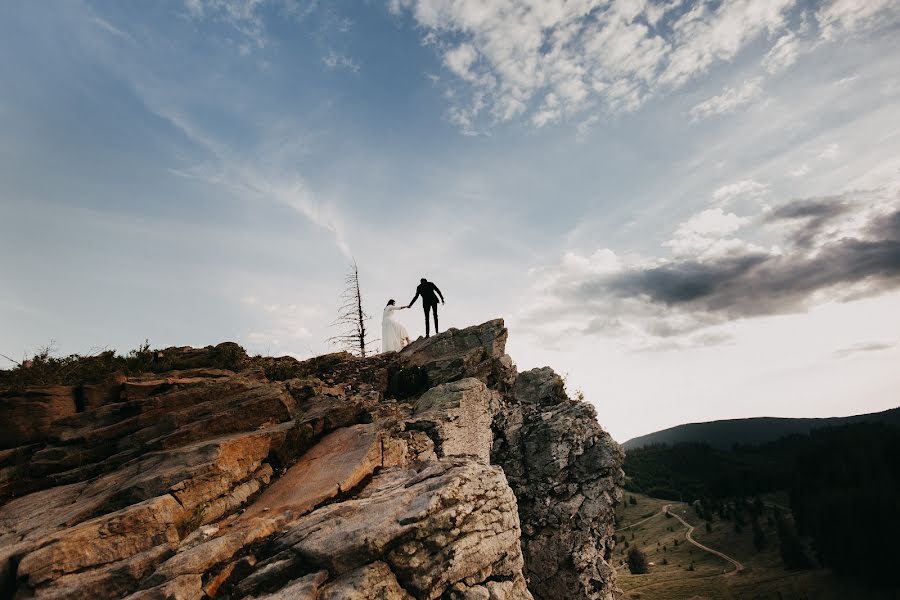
point(192, 522)
point(45, 368)
point(712, 578)
point(663, 542)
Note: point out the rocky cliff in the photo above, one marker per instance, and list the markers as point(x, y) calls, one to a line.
point(437, 472)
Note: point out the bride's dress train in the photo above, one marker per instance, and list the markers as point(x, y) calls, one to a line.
point(393, 334)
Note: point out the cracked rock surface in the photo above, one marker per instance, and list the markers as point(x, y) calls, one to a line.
point(436, 472)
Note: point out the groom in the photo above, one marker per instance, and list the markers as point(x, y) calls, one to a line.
point(427, 290)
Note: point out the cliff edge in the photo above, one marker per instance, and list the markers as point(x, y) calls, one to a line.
point(436, 472)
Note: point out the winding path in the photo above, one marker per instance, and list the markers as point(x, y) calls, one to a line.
point(690, 530)
point(635, 524)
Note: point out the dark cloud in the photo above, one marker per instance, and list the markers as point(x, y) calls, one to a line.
point(682, 282)
point(813, 208)
point(813, 215)
point(756, 283)
point(887, 228)
point(671, 303)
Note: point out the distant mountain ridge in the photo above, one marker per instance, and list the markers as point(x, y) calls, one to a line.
point(755, 430)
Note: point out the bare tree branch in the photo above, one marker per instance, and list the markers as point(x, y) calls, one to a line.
point(351, 318)
point(17, 363)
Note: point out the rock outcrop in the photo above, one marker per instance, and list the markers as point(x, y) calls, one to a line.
point(436, 472)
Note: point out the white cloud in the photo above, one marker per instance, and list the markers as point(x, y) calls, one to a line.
point(845, 81)
point(747, 188)
point(830, 152)
point(549, 60)
point(460, 59)
point(584, 128)
point(241, 15)
point(334, 61)
point(704, 36)
point(783, 54)
point(602, 261)
point(706, 234)
point(194, 7)
point(713, 221)
point(264, 179)
point(729, 100)
point(847, 16)
point(281, 324)
point(799, 171)
point(245, 17)
point(110, 28)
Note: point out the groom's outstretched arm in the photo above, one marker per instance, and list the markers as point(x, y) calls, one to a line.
point(416, 297)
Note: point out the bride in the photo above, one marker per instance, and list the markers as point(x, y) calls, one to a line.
point(393, 334)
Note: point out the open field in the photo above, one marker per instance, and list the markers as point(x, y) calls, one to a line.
point(684, 571)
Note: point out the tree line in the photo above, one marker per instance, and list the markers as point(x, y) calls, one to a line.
point(844, 485)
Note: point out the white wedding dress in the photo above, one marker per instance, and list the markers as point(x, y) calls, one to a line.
point(393, 334)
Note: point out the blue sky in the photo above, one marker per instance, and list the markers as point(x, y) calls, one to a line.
point(689, 208)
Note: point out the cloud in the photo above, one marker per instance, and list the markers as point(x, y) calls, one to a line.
point(887, 227)
point(268, 176)
point(747, 188)
point(334, 61)
point(704, 36)
point(241, 15)
point(585, 126)
point(110, 28)
point(759, 283)
point(715, 278)
point(830, 152)
point(245, 16)
point(460, 59)
point(552, 59)
point(847, 16)
point(845, 80)
point(810, 217)
point(799, 171)
point(281, 324)
point(783, 54)
point(545, 62)
point(729, 100)
point(705, 234)
point(863, 347)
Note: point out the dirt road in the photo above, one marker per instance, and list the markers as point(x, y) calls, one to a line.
point(690, 530)
point(661, 511)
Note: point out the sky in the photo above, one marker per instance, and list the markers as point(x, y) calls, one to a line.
point(691, 210)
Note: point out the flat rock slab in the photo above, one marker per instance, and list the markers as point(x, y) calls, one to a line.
point(336, 464)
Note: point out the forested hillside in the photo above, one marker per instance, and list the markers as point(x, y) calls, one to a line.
point(758, 430)
point(844, 483)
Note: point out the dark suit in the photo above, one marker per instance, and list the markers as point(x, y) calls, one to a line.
point(429, 293)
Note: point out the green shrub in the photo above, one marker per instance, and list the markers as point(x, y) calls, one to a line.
point(637, 562)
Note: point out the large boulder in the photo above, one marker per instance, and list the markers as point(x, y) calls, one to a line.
point(456, 354)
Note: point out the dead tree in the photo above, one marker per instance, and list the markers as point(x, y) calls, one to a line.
point(351, 319)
